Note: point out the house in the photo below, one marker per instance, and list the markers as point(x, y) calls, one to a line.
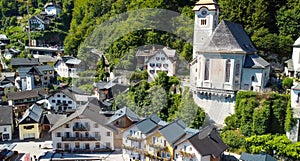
point(30, 125)
point(83, 131)
point(20, 100)
point(224, 62)
point(4, 39)
point(294, 134)
point(67, 100)
point(160, 144)
point(24, 62)
point(205, 145)
point(51, 119)
point(108, 90)
point(6, 86)
point(157, 60)
point(256, 157)
point(134, 137)
point(11, 52)
point(28, 78)
point(292, 66)
point(121, 120)
point(38, 24)
point(52, 9)
point(67, 67)
point(6, 123)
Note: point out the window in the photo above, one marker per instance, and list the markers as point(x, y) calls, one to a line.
point(64, 102)
point(206, 72)
point(77, 134)
point(107, 133)
point(86, 134)
point(153, 140)
point(50, 72)
point(157, 58)
point(165, 142)
point(203, 22)
point(253, 78)
point(67, 146)
point(97, 145)
point(237, 72)
point(29, 127)
point(96, 125)
point(5, 136)
point(107, 145)
point(163, 58)
point(227, 72)
point(5, 129)
point(45, 78)
point(53, 101)
point(67, 134)
point(64, 96)
point(152, 71)
point(69, 102)
point(77, 145)
point(58, 134)
point(152, 65)
point(58, 95)
point(165, 65)
point(191, 149)
point(158, 65)
point(87, 146)
point(58, 145)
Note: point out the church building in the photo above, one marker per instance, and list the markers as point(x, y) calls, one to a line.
point(224, 62)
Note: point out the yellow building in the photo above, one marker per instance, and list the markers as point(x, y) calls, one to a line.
point(30, 126)
point(160, 144)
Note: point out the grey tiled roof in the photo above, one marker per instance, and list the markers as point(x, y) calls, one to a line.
point(255, 61)
point(124, 112)
point(35, 93)
point(256, 157)
point(148, 124)
point(6, 115)
point(34, 112)
point(24, 61)
point(173, 131)
point(88, 110)
point(229, 37)
point(53, 118)
point(43, 68)
point(208, 142)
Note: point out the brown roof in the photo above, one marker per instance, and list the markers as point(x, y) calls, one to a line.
point(35, 93)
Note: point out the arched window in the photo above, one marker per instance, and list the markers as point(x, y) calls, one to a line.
point(206, 72)
point(253, 78)
point(227, 74)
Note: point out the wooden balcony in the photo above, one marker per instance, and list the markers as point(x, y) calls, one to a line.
point(80, 139)
point(81, 128)
point(133, 138)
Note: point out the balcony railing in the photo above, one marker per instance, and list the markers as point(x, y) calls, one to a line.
point(80, 138)
point(133, 138)
point(157, 146)
point(81, 128)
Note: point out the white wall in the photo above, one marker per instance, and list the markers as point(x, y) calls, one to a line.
point(55, 98)
point(162, 59)
point(189, 149)
point(134, 132)
point(296, 58)
point(61, 69)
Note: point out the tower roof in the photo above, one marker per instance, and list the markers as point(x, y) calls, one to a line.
point(229, 37)
point(209, 4)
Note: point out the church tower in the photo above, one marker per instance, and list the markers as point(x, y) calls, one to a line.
point(206, 20)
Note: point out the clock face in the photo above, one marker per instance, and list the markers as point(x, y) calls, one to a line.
point(203, 11)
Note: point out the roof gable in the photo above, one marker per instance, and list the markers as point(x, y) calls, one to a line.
point(255, 61)
point(229, 37)
point(34, 112)
point(297, 43)
point(173, 131)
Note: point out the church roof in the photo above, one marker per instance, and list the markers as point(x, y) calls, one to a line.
point(255, 61)
point(229, 37)
point(297, 42)
point(206, 2)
